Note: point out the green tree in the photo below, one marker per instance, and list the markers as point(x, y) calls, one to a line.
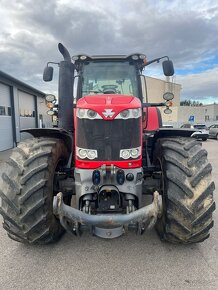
point(190, 103)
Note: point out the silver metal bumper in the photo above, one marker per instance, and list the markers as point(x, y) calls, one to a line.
point(146, 215)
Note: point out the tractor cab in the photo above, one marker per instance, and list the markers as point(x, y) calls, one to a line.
point(109, 75)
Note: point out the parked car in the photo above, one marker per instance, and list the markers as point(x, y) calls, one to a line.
point(167, 126)
point(213, 131)
point(201, 130)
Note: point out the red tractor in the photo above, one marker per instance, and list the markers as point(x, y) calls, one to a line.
point(109, 151)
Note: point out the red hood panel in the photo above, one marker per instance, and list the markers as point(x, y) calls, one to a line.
point(117, 103)
point(121, 100)
point(94, 100)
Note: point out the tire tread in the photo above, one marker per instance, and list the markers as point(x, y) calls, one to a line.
point(26, 191)
point(189, 201)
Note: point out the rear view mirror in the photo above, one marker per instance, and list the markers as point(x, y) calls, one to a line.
point(168, 68)
point(48, 74)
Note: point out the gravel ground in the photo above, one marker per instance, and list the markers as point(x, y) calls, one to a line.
point(129, 262)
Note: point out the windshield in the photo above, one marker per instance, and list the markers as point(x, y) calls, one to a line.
point(115, 77)
point(200, 126)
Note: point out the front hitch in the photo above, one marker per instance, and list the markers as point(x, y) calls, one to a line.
point(146, 216)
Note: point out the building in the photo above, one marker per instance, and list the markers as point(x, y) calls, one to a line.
point(207, 114)
point(155, 91)
point(21, 106)
point(185, 114)
point(157, 87)
point(211, 113)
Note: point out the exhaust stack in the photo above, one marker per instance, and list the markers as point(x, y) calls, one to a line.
point(65, 90)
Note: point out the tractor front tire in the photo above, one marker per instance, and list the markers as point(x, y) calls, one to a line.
point(187, 190)
point(26, 190)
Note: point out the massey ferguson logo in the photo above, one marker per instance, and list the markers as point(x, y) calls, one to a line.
point(108, 113)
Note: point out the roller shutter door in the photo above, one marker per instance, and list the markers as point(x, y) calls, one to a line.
point(6, 132)
point(27, 112)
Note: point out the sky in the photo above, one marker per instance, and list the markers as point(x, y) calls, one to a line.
point(186, 31)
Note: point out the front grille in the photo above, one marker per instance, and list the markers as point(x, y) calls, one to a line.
point(108, 137)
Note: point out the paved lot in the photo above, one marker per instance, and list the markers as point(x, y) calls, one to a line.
point(129, 262)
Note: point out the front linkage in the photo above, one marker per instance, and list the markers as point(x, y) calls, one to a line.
point(108, 225)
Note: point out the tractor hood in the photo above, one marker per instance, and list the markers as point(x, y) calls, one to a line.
point(105, 126)
point(108, 106)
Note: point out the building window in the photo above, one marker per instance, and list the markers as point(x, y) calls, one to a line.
point(2, 111)
point(9, 111)
point(216, 118)
point(27, 113)
point(207, 118)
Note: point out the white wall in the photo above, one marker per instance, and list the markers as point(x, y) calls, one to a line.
point(169, 118)
point(156, 88)
point(42, 110)
point(184, 113)
point(211, 112)
point(6, 132)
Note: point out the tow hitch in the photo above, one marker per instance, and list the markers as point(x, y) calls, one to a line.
point(108, 225)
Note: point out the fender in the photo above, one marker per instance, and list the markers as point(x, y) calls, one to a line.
point(168, 132)
point(58, 133)
point(153, 120)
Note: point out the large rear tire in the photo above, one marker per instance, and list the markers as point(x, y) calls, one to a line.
point(187, 190)
point(26, 189)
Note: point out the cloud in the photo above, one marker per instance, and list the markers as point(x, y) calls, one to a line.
point(200, 86)
point(186, 31)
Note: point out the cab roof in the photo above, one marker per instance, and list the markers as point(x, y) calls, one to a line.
point(133, 56)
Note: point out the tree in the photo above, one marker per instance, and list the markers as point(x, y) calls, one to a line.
point(191, 103)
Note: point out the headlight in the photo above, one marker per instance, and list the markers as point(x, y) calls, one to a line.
point(82, 153)
point(91, 114)
point(130, 153)
point(136, 112)
point(124, 114)
point(75, 57)
point(134, 152)
point(50, 112)
point(86, 153)
point(50, 98)
point(125, 154)
point(83, 57)
point(167, 111)
point(91, 154)
point(129, 114)
point(142, 56)
point(168, 96)
point(135, 57)
point(87, 114)
point(81, 113)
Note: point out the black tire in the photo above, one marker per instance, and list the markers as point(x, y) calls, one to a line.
point(187, 190)
point(204, 139)
point(26, 189)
